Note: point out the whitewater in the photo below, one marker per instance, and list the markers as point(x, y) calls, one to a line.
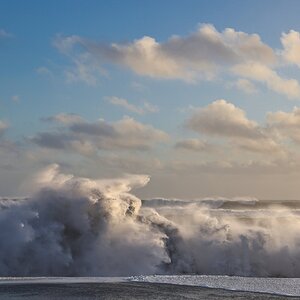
point(71, 226)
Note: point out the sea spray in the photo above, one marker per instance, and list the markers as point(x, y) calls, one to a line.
point(74, 226)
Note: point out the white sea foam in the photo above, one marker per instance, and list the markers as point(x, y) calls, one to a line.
point(279, 286)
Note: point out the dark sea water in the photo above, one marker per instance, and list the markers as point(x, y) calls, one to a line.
point(122, 290)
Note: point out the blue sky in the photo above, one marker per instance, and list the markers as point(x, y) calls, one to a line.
point(34, 25)
point(88, 58)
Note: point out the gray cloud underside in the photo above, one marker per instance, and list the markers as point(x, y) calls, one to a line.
point(87, 137)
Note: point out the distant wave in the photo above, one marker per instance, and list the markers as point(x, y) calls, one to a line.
point(81, 227)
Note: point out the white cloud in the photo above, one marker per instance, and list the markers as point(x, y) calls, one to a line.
point(135, 135)
point(225, 120)
point(203, 54)
point(199, 54)
point(85, 66)
point(83, 71)
point(262, 73)
point(125, 104)
point(286, 124)
point(146, 107)
point(291, 47)
point(244, 85)
point(222, 119)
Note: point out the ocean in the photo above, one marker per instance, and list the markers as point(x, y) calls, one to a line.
point(80, 236)
point(149, 287)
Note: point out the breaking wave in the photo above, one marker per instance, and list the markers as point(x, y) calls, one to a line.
point(81, 227)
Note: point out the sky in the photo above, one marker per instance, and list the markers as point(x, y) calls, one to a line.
point(202, 96)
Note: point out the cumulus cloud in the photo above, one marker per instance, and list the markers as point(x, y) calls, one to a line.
point(286, 124)
point(136, 135)
point(79, 134)
point(203, 54)
point(291, 47)
point(262, 73)
point(198, 54)
point(146, 107)
point(225, 120)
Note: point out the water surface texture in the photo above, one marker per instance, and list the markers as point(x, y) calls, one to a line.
point(122, 290)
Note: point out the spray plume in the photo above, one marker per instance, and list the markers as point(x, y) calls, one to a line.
point(82, 227)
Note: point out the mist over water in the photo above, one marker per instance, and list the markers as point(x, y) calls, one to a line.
point(81, 227)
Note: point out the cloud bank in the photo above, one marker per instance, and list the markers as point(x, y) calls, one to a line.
point(204, 54)
point(87, 137)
